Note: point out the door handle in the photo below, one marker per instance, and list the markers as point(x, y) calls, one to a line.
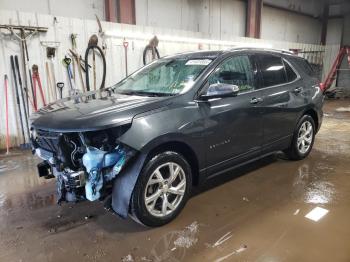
point(298, 90)
point(256, 100)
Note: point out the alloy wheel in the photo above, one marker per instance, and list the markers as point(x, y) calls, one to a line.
point(165, 189)
point(305, 137)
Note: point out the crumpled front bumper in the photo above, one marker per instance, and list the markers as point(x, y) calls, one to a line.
point(117, 170)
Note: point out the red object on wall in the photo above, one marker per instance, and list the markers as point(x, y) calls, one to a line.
point(332, 75)
point(126, 12)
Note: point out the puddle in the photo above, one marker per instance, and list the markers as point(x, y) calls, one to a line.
point(319, 192)
point(7, 165)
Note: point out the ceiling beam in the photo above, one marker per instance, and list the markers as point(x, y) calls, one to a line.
point(253, 23)
point(126, 12)
point(110, 10)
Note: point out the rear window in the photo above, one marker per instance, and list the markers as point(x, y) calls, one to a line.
point(291, 75)
point(305, 66)
point(272, 69)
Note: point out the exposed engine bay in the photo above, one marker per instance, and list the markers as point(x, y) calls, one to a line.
point(83, 163)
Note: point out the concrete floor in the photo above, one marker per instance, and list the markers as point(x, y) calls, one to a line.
point(256, 213)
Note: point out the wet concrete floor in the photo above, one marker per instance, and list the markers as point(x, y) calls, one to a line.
point(256, 213)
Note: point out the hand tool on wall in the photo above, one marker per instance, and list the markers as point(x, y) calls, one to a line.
point(51, 49)
point(80, 70)
point(7, 115)
point(92, 46)
point(18, 99)
point(101, 33)
point(126, 44)
point(60, 86)
point(50, 87)
point(24, 33)
point(29, 71)
point(67, 63)
point(50, 53)
point(93, 41)
point(26, 100)
point(37, 81)
point(25, 106)
point(150, 52)
point(73, 38)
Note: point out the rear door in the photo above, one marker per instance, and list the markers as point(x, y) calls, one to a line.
point(284, 99)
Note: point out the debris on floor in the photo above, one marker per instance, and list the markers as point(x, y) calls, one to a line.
point(187, 237)
point(237, 251)
point(222, 239)
point(128, 258)
point(343, 109)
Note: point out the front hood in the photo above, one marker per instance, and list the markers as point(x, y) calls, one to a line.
point(90, 111)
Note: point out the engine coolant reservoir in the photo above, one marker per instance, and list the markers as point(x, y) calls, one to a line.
point(94, 160)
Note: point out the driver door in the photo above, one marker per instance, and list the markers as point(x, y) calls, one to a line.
point(233, 124)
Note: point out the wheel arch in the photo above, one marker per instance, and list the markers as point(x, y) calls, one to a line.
point(182, 148)
point(312, 112)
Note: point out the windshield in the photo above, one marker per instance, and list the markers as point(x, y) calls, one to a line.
point(163, 77)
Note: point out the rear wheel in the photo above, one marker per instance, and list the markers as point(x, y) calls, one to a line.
point(162, 189)
point(303, 139)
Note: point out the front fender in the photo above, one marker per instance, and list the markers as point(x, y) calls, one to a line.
point(124, 184)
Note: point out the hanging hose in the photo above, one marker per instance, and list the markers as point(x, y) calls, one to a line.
point(92, 47)
point(151, 50)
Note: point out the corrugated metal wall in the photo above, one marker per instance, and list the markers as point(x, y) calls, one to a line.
point(171, 41)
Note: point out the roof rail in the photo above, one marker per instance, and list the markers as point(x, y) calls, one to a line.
point(262, 49)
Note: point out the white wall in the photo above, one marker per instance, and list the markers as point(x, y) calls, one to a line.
point(344, 76)
point(311, 7)
point(69, 8)
point(115, 52)
point(333, 42)
point(218, 18)
point(288, 26)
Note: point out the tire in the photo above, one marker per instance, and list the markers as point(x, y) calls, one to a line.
point(149, 49)
point(149, 186)
point(297, 151)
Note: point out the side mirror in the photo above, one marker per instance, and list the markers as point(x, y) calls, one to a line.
point(220, 90)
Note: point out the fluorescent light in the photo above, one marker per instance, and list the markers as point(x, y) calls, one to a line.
point(317, 213)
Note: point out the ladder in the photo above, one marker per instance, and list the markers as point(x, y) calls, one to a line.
point(332, 75)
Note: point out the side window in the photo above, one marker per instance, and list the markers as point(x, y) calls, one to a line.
point(272, 70)
point(235, 71)
point(291, 75)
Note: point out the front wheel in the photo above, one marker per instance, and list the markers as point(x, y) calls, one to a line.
point(303, 139)
point(161, 190)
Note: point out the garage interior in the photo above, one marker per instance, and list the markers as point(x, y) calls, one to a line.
point(270, 210)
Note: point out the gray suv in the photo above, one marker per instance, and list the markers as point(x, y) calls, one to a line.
point(141, 145)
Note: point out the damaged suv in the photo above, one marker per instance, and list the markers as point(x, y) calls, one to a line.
point(142, 144)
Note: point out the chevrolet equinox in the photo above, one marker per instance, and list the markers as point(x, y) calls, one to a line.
point(142, 144)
